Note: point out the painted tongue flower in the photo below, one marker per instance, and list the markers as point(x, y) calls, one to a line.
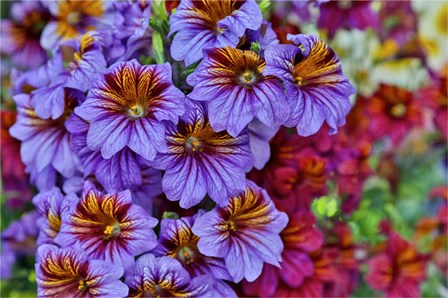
point(300, 237)
point(208, 24)
point(398, 270)
point(316, 88)
point(68, 272)
point(72, 19)
point(108, 227)
point(178, 241)
point(45, 142)
point(127, 107)
point(245, 232)
point(393, 111)
point(163, 277)
point(50, 204)
point(200, 160)
point(233, 84)
point(21, 35)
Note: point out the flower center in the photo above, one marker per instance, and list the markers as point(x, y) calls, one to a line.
point(185, 255)
point(193, 144)
point(136, 112)
point(112, 231)
point(82, 286)
point(398, 110)
point(230, 225)
point(298, 81)
point(73, 18)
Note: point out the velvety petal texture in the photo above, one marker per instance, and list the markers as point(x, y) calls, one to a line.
point(163, 277)
point(316, 88)
point(108, 227)
point(200, 161)
point(246, 233)
point(68, 272)
point(233, 84)
point(206, 24)
point(126, 108)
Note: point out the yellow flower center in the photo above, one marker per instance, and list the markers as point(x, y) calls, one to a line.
point(112, 231)
point(398, 110)
point(82, 286)
point(73, 18)
point(193, 144)
point(186, 255)
point(230, 225)
point(136, 112)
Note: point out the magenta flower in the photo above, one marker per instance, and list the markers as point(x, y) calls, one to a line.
point(233, 84)
point(127, 107)
point(246, 233)
point(316, 88)
point(208, 24)
point(69, 272)
point(200, 160)
point(108, 227)
point(163, 277)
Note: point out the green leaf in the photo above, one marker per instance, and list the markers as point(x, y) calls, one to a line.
point(264, 5)
point(158, 47)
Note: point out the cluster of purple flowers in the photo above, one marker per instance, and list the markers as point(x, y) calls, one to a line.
point(106, 135)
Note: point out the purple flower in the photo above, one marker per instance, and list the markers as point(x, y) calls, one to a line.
point(45, 142)
point(73, 18)
point(69, 272)
point(126, 109)
point(207, 24)
point(50, 205)
point(347, 14)
point(264, 36)
point(200, 160)
point(233, 84)
point(260, 135)
point(245, 232)
point(163, 277)
point(178, 241)
point(317, 90)
point(134, 174)
point(20, 36)
point(76, 64)
point(108, 227)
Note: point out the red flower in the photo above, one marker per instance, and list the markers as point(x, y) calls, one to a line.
point(393, 112)
point(398, 270)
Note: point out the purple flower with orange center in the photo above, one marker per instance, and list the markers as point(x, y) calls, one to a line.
point(233, 84)
point(246, 233)
point(73, 18)
point(108, 227)
point(127, 107)
point(50, 205)
point(178, 241)
point(316, 88)
point(69, 272)
point(163, 277)
point(208, 24)
point(21, 35)
point(200, 160)
point(45, 142)
point(399, 270)
point(76, 64)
